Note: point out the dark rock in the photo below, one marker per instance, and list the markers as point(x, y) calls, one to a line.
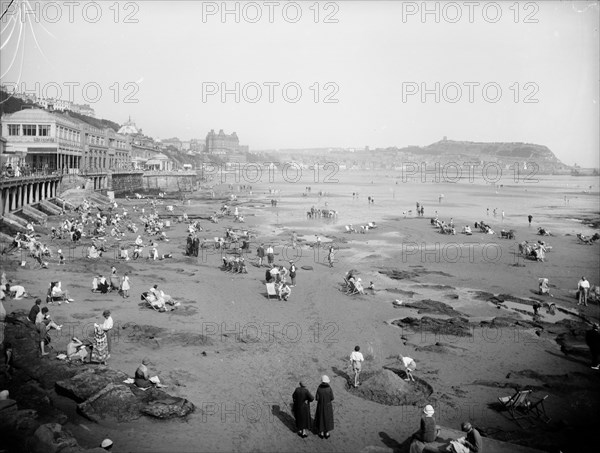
point(434, 307)
point(89, 382)
point(168, 407)
point(409, 275)
point(51, 438)
point(459, 327)
point(115, 401)
point(7, 406)
point(401, 291)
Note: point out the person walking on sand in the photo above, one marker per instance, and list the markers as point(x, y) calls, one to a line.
point(583, 287)
point(356, 359)
point(331, 256)
point(324, 412)
point(294, 239)
point(260, 253)
point(270, 255)
point(301, 409)
point(530, 218)
point(293, 273)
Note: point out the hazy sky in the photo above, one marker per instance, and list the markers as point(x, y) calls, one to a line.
point(491, 61)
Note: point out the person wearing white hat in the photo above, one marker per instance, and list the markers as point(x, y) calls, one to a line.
point(428, 431)
point(107, 444)
point(324, 413)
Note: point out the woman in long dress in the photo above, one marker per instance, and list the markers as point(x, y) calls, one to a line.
point(100, 345)
point(324, 413)
point(302, 399)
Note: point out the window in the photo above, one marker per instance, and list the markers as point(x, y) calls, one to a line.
point(29, 130)
point(43, 130)
point(14, 129)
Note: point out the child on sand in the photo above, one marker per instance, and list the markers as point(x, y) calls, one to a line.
point(356, 358)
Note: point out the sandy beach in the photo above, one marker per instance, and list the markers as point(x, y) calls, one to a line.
point(238, 356)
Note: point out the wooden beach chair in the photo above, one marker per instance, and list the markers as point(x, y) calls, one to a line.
point(271, 290)
point(517, 405)
point(538, 411)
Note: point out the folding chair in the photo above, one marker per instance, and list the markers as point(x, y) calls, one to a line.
point(144, 297)
point(538, 410)
point(518, 405)
point(271, 290)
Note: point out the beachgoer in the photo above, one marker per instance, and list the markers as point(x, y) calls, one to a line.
point(583, 287)
point(324, 412)
point(356, 358)
point(294, 239)
point(592, 338)
point(43, 324)
point(274, 273)
point(530, 218)
point(34, 310)
point(471, 443)
point(260, 253)
point(330, 256)
point(284, 291)
point(270, 254)
point(76, 350)
point(428, 431)
point(100, 345)
point(107, 327)
point(301, 409)
point(103, 285)
point(125, 286)
point(543, 286)
point(142, 378)
point(17, 290)
point(293, 273)
point(409, 366)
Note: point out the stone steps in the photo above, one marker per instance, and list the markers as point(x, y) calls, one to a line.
point(35, 214)
point(49, 208)
point(14, 222)
point(62, 203)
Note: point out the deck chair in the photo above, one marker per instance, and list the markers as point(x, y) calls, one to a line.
point(271, 290)
point(517, 405)
point(144, 297)
point(537, 410)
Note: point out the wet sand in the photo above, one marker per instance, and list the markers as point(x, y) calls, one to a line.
point(238, 356)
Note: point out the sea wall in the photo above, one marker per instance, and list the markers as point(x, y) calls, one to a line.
point(127, 182)
point(182, 181)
